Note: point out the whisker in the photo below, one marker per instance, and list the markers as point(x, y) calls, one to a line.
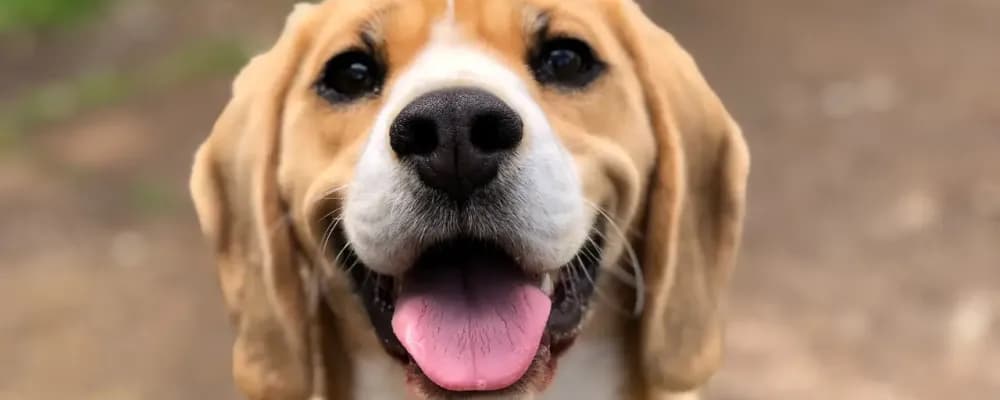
point(354, 264)
point(329, 195)
point(330, 214)
point(330, 230)
point(612, 268)
point(575, 277)
point(597, 290)
point(640, 283)
point(341, 252)
point(333, 191)
point(329, 234)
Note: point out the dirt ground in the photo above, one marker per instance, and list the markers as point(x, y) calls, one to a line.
point(871, 265)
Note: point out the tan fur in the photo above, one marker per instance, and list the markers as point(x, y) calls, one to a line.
point(652, 142)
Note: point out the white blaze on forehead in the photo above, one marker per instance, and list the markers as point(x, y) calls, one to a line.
point(450, 60)
point(450, 12)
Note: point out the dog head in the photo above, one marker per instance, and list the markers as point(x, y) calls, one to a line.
point(460, 175)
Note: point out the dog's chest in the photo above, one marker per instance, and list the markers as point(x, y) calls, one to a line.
point(594, 369)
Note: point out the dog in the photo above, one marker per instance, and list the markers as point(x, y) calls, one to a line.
point(473, 199)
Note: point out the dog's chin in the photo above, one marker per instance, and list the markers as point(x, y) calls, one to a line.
point(514, 367)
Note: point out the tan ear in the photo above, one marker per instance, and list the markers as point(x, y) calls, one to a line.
point(694, 212)
point(235, 192)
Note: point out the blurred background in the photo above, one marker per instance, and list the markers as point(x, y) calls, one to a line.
point(871, 265)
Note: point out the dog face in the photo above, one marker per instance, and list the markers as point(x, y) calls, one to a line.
point(459, 175)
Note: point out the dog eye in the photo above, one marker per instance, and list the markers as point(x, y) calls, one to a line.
point(569, 63)
point(350, 76)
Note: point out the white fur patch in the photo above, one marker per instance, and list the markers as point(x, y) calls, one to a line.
point(545, 220)
point(450, 12)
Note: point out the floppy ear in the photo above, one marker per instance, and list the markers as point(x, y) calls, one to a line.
point(694, 209)
point(235, 192)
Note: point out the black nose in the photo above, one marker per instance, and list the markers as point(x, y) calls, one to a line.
point(456, 138)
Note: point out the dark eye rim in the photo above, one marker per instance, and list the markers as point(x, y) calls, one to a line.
point(594, 66)
point(346, 58)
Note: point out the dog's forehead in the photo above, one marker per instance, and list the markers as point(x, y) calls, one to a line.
point(500, 23)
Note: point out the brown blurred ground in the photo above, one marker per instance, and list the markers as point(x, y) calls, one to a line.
point(871, 266)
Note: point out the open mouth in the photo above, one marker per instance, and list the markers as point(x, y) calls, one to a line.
point(467, 318)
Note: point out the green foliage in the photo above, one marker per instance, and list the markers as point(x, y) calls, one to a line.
point(64, 99)
point(201, 59)
point(147, 197)
point(18, 15)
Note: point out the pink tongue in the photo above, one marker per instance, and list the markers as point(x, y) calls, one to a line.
point(473, 329)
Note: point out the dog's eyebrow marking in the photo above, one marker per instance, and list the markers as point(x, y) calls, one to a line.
point(536, 23)
point(371, 36)
point(372, 28)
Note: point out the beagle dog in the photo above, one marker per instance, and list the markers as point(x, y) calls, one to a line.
point(473, 199)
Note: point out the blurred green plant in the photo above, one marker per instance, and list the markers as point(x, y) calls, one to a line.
point(21, 15)
point(87, 91)
point(148, 197)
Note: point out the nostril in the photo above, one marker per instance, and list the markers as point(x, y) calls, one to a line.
point(494, 132)
point(424, 134)
point(415, 136)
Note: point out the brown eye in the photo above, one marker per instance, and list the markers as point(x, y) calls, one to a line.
point(350, 76)
point(569, 63)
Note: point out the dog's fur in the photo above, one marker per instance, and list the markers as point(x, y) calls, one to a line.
point(649, 142)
